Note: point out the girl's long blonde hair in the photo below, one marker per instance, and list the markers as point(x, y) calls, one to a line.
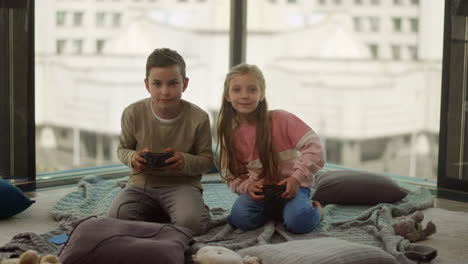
point(228, 120)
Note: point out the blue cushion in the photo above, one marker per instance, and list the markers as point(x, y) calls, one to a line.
point(12, 199)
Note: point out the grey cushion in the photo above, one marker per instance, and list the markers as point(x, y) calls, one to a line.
point(319, 251)
point(109, 240)
point(349, 187)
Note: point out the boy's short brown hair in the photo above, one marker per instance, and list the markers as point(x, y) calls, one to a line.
point(165, 57)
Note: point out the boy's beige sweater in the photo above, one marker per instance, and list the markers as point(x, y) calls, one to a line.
point(189, 133)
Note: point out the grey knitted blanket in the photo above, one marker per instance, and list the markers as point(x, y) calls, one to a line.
point(369, 225)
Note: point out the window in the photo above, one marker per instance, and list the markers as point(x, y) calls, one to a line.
point(375, 2)
point(358, 2)
point(374, 24)
point(85, 120)
point(100, 19)
point(292, 1)
point(414, 24)
point(396, 24)
point(99, 46)
point(357, 24)
point(77, 46)
point(60, 18)
point(116, 19)
point(322, 2)
point(77, 19)
point(396, 52)
point(60, 46)
point(415, 2)
point(413, 52)
point(337, 2)
point(397, 2)
point(374, 51)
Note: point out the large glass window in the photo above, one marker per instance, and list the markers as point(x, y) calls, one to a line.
point(373, 94)
point(86, 76)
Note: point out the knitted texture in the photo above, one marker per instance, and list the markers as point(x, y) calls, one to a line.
point(369, 225)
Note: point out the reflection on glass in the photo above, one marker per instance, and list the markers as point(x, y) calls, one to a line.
point(367, 81)
point(87, 73)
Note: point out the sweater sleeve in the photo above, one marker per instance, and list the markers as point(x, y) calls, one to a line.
point(201, 161)
point(239, 185)
point(127, 144)
point(307, 142)
point(311, 159)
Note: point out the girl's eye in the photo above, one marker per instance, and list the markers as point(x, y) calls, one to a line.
point(235, 89)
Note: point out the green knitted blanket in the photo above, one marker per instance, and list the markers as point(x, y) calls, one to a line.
point(370, 225)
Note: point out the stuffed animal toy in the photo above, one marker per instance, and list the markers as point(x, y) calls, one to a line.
point(221, 255)
point(31, 257)
point(410, 227)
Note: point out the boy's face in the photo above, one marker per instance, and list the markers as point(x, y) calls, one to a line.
point(166, 85)
point(244, 94)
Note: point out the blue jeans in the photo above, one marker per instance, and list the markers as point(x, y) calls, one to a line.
point(299, 216)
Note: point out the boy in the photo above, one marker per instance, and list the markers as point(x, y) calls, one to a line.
point(165, 123)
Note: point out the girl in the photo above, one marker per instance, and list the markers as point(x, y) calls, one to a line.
point(260, 147)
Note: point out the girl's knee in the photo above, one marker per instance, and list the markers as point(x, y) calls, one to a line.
point(302, 222)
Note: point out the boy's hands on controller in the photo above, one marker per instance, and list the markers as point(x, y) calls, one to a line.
point(138, 162)
point(177, 162)
point(292, 185)
point(255, 191)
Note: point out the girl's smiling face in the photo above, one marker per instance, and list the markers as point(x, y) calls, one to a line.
point(244, 94)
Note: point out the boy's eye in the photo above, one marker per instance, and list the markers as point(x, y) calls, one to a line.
point(172, 83)
point(157, 83)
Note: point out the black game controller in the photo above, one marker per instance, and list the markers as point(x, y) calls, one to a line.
point(156, 160)
point(273, 192)
point(274, 202)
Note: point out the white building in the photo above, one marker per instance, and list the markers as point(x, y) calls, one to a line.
point(368, 84)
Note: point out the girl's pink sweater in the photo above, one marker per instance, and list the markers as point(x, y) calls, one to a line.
point(299, 150)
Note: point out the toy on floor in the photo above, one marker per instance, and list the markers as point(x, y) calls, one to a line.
point(410, 227)
point(31, 257)
point(221, 255)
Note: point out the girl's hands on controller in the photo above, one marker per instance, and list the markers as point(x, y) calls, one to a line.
point(138, 162)
point(255, 191)
point(176, 162)
point(292, 185)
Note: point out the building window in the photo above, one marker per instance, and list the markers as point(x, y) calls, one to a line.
point(397, 2)
point(358, 2)
point(396, 24)
point(374, 24)
point(396, 52)
point(292, 1)
point(415, 2)
point(375, 2)
point(357, 24)
point(60, 48)
point(413, 52)
point(100, 46)
point(77, 19)
point(77, 46)
point(414, 23)
point(322, 2)
point(117, 19)
point(100, 19)
point(337, 2)
point(60, 18)
point(374, 51)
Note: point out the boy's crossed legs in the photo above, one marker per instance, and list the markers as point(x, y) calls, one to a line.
point(181, 205)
